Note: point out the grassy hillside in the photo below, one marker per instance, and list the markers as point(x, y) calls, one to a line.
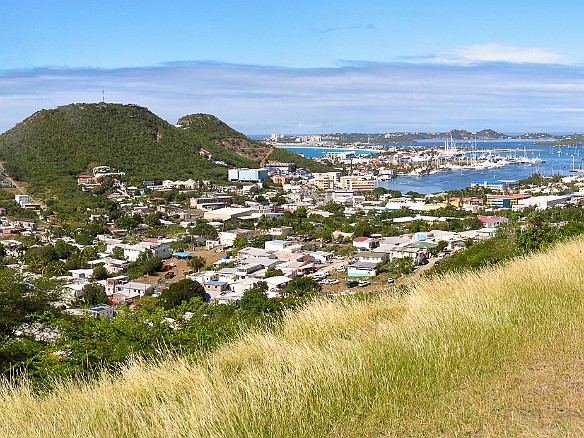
point(499, 352)
point(223, 141)
point(51, 147)
point(286, 156)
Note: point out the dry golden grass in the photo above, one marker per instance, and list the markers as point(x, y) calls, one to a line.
point(495, 353)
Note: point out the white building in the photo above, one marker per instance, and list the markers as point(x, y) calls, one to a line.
point(542, 202)
point(22, 199)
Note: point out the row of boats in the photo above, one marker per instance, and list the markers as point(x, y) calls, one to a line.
point(424, 165)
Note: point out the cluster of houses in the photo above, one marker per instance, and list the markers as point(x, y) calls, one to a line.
point(284, 252)
point(375, 250)
point(118, 287)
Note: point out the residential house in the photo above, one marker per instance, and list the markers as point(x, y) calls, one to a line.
point(277, 283)
point(277, 245)
point(367, 243)
point(227, 238)
point(130, 291)
point(228, 213)
point(373, 257)
point(214, 289)
point(492, 221)
point(362, 269)
point(112, 282)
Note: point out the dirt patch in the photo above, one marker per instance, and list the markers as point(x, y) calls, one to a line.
point(180, 270)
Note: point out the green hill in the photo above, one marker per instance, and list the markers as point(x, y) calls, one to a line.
point(223, 141)
point(51, 147)
point(493, 353)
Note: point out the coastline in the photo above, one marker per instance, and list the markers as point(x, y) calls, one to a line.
point(328, 148)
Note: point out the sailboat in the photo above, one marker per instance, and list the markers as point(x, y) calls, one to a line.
point(573, 168)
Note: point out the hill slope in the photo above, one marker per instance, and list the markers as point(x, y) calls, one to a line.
point(499, 352)
point(51, 147)
point(223, 141)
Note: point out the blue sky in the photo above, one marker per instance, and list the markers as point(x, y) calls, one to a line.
point(302, 66)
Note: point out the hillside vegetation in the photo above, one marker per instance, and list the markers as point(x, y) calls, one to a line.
point(223, 141)
point(50, 148)
point(498, 352)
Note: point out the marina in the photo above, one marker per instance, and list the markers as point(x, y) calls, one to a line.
point(430, 166)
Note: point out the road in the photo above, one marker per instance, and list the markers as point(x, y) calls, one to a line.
point(408, 280)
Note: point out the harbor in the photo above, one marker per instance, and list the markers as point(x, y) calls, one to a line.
point(430, 166)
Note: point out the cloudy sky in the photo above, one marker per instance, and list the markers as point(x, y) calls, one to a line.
point(303, 66)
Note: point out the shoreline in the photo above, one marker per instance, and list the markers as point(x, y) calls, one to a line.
point(282, 146)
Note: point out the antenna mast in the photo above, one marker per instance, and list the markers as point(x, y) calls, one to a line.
point(103, 95)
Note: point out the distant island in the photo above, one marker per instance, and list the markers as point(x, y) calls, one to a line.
point(406, 137)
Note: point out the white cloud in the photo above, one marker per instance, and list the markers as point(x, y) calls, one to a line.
point(491, 52)
point(509, 53)
point(363, 97)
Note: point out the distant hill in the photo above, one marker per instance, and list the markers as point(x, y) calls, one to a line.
point(51, 147)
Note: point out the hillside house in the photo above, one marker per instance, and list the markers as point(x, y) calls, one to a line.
point(214, 288)
point(373, 257)
point(130, 291)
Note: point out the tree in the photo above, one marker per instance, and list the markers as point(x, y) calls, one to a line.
point(333, 207)
point(118, 252)
point(153, 219)
point(259, 241)
point(301, 212)
point(255, 304)
point(64, 250)
point(362, 229)
point(205, 230)
point(302, 288)
point(100, 272)
point(239, 243)
point(23, 304)
point(196, 262)
point(273, 272)
point(94, 293)
point(179, 292)
point(146, 264)
point(152, 265)
point(535, 238)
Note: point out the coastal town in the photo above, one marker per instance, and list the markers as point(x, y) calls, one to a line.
point(273, 225)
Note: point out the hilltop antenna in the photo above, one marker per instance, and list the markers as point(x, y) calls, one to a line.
point(103, 95)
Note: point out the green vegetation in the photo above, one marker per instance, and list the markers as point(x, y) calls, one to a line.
point(39, 343)
point(497, 352)
point(541, 230)
point(50, 148)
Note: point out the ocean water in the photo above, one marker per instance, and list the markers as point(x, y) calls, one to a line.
point(558, 161)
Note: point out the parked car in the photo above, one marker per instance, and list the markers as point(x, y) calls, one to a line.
point(352, 283)
point(390, 280)
point(363, 283)
point(169, 274)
